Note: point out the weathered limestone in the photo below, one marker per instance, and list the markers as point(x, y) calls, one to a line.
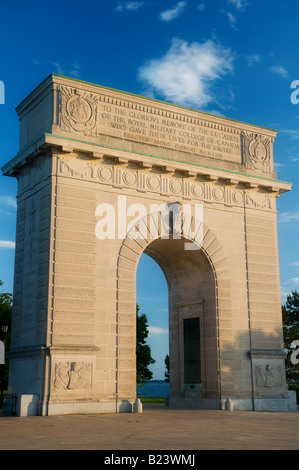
point(73, 337)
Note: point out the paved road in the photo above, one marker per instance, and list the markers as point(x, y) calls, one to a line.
point(157, 428)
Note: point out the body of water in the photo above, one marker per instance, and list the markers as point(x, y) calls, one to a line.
point(155, 388)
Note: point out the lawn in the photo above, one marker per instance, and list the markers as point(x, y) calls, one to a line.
point(152, 400)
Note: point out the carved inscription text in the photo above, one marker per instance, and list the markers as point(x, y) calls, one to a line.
point(194, 136)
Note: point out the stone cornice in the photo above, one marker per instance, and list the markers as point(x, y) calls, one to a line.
point(94, 151)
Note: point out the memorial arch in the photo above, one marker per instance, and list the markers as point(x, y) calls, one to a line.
point(91, 158)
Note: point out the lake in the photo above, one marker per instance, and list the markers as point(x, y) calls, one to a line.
point(155, 388)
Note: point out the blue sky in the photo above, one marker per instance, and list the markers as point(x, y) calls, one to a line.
point(236, 58)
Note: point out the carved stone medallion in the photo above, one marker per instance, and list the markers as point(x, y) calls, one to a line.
point(78, 110)
point(256, 152)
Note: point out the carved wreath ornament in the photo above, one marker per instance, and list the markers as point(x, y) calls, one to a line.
point(78, 110)
point(256, 152)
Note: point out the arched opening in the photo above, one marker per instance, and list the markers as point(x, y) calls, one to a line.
point(152, 298)
point(194, 278)
point(193, 345)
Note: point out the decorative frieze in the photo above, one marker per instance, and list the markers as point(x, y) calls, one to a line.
point(161, 183)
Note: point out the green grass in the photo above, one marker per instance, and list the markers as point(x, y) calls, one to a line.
point(151, 400)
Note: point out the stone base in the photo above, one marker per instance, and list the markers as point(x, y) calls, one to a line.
point(52, 409)
point(237, 404)
point(27, 405)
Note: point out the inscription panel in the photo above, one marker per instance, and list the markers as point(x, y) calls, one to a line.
point(103, 114)
point(179, 132)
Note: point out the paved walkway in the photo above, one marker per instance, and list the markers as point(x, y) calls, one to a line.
point(157, 428)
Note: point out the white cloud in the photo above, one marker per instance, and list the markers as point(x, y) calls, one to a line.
point(172, 13)
point(157, 330)
point(186, 73)
point(75, 72)
point(253, 59)
point(280, 70)
point(288, 286)
point(129, 6)
point(239, 4)
point(232, 19)
point(201, 7)
point(7, 244)
point(296, 263)
point(58, 67)
point(8, 205)
point(288, 217)
point(292, 133)
point(8, 201)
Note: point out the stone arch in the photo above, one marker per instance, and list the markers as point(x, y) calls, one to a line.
point(129, 254)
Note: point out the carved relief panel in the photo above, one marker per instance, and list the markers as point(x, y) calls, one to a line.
point(268, 375)
point(72, 375)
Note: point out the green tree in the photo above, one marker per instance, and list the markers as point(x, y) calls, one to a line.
point(166, 373)
point(5, 319)
point(143, 350)
point(290, 315)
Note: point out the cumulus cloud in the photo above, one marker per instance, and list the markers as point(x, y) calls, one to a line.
point(239, 4)
point(75, 71)
point(253, 59)
point(293, 134)
point(172, 13)
point(7, 244)
point(156, 330)
point(288, 217)
point(8, 201)
point(279, 70)
point(186, 73)
point(288, 286)
point(58, 67)
point(8, 205)
point(129, 6)
point(232, 19)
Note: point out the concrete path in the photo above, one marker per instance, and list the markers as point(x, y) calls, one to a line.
point(157, 428)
